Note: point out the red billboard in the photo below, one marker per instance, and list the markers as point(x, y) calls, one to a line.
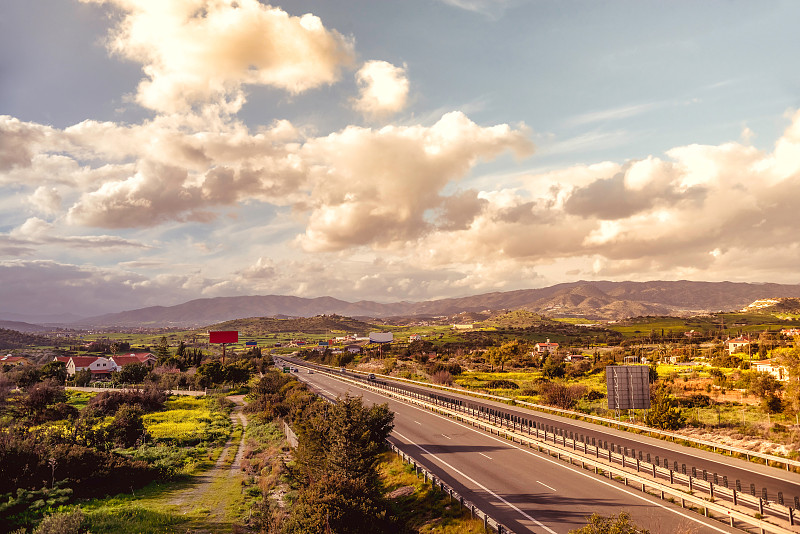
point(223, 336)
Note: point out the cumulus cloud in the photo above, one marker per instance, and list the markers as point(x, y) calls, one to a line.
point(693, 215)
point(382, 89)
point(376, 185)
point(46, 200)
point(203, 51)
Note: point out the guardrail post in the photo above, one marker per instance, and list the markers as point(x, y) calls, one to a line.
point(637, 465)
point(671, 476)
point(753, 490)
point(780, 498)
point(761, 506)
point(791, 516)
point(485, 522)
point(735, 499)
point(711, 489)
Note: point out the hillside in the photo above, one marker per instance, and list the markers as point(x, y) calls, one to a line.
point(12, 339)
point(323, 324)
point(778, 307)
point(591, 300)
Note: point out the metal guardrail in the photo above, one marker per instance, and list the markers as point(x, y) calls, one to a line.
point(647, 475)
point(489, 523)
point(602, 420)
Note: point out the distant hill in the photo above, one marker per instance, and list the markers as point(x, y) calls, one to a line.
point(12, 339)
point(591, 300)
point(323, 324)
point(20, 326)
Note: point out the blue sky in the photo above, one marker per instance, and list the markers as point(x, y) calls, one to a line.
point(152, 152)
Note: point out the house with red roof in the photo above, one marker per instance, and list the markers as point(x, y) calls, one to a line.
point(145, 358)
point(542, 348)
point(13, 360)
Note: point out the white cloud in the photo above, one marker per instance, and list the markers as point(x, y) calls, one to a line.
point(382, 88)
point(205, 51)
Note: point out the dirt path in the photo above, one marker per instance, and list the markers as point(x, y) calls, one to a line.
point(210, 494)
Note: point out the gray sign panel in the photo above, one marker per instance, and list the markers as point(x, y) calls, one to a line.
point(628, 387)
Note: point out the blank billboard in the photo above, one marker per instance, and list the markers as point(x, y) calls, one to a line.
point(223, 336)
point(381, 337)
point(628, 387)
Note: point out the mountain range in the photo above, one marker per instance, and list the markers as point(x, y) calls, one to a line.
point(601, 300)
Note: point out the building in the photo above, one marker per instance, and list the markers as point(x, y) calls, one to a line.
point(739, 344)
point(13, 360)
point(145, 358)
point(768, 366)
point(543, 348)
point(99, 367)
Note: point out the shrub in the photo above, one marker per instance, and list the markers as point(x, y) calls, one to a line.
point(442, 377)
point(108, 402)
point(561, 395)
point(502, 384)
point(72, 522)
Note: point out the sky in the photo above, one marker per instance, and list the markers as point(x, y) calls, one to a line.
point(157, 151)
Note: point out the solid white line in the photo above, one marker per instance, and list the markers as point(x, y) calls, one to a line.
point(418, 422)
point(484, 488)
point(545, 485)
point(489, 457)
point(554, 462)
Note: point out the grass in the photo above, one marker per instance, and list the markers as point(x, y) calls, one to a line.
point(424, 510)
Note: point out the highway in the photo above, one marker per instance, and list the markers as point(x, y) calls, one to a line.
point(751, 475)
point(525, 490)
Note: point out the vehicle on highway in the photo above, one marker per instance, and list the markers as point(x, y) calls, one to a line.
point(310, 372)
point(342, 369)
point(371, 376)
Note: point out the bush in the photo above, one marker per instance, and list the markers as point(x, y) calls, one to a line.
point(442, 377)
point(108, 402)
point(72, 522)
point(502, 384)
point(561, 395)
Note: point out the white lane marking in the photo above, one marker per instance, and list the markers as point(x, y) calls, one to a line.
point(554, 462)
point(418, 422)
point(484, 488)
point(448, 437)
point(545, 485)
point(489, 457)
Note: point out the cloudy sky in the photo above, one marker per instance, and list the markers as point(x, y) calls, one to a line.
point(156, 151)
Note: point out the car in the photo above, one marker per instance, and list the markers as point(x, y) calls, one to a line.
point(295, 369)
point(310, 372)
point(371, 376)
point(343, 369)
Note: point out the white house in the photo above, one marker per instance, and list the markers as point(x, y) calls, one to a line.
point(542, 348)
point(767, 366)
point(99, 366)
point(738, 344)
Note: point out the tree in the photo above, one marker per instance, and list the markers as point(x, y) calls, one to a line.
point(83, 377)
point(162, 350)
point(127, 427)
point(620, 524)
point(54, 370)
point(133, 373)
point(790, 358)
point(553, 367)
point(663, 413)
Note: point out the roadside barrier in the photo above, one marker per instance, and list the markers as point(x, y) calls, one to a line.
point(489, 524)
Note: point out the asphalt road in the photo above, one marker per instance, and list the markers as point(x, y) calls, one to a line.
point(525, 490)
point(758, 475)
